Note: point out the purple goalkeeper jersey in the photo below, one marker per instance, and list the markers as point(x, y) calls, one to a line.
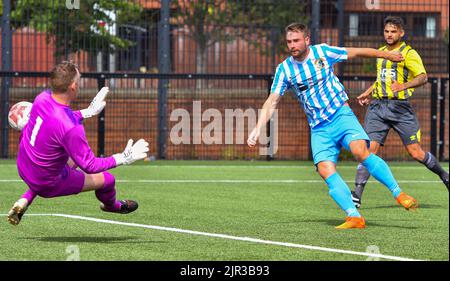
point(53, 134)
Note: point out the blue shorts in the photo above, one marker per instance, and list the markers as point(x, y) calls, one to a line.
point(331, 135)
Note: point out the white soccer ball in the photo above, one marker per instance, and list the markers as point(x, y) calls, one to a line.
point(19, 114)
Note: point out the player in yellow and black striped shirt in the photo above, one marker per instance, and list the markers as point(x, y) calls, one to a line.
point(389, 106)
point(397, 80)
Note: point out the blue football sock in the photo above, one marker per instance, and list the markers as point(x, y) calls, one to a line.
point(381, 171)
point(340, 193)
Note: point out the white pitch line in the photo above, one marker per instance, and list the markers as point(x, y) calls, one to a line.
point(230, 237)
point(240, 181)
point(255, 181)
point(150, 166)
point(258, 167)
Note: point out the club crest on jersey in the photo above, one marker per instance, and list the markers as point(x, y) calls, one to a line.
point(319, 63)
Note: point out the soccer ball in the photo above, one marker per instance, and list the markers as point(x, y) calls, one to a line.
point(19, 114)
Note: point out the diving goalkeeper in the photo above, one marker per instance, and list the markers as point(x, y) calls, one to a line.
point(53, 145)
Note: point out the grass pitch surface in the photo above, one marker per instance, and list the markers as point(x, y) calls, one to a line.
point(229, 210)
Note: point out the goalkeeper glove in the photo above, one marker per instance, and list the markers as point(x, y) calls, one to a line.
point(97, 104)
point(132, 152)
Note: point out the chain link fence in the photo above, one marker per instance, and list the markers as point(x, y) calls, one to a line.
point(146, 50)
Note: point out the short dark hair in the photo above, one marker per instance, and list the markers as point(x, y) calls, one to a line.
point(297, 27)
point(62, 75)
point(394, 20)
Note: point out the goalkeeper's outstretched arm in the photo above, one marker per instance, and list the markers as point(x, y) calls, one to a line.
point(77, 147)
point(132, 152)
point(97, 104)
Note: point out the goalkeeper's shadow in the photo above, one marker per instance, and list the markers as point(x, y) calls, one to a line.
point(91, 239)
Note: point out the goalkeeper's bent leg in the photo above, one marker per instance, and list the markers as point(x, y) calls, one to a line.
point(20, 206)
point(29, 195)
point(107, 194)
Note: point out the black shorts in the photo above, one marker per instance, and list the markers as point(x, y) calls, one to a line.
point(384, 114)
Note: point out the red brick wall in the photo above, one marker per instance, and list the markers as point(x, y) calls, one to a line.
point(133, 114)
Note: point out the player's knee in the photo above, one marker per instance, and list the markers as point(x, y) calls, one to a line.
point(374, 147)
point(417, 153)
point(325, 171)
point(359, 150)
point(360, 153)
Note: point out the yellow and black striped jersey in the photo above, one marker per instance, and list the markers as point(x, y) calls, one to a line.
point(402, 72)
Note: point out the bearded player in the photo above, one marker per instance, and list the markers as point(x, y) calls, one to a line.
point(390, 108)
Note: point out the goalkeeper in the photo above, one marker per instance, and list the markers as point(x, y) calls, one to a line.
point(53, 144)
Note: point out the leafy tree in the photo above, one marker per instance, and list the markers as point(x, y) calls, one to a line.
point(72, 30)
point(207, 22)
point(270, 17)
point(212, 21)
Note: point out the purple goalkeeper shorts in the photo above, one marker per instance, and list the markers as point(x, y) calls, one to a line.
point(70, 181)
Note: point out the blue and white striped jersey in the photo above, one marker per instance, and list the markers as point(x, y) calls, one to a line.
point(314, 82)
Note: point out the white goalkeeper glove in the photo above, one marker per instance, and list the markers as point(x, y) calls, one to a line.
point(97, 104)
point(132, 152)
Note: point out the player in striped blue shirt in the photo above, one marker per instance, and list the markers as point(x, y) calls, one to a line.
point(308, 72)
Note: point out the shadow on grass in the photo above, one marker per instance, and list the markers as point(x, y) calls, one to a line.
point(421, 206)
point(90, 239)
point(369, 223)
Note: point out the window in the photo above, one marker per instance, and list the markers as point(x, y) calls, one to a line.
point(431, 28)
point(353, 25)
point(371, 24)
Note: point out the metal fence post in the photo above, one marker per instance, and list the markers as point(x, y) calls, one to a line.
point(341, 27)
point(101, 122)
point(315, 24)
point(6, 81)
point(433, 119)
point(164, 68)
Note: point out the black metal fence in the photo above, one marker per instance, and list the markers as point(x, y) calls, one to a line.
point(143, 49)
point(209, 36)
point(136, 109)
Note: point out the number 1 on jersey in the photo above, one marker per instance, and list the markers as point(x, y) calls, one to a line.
point(36, 128)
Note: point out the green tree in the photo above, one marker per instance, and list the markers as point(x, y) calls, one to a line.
point(270, 17)
point(259, 21)
point(207, 22)
point(72, 30)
